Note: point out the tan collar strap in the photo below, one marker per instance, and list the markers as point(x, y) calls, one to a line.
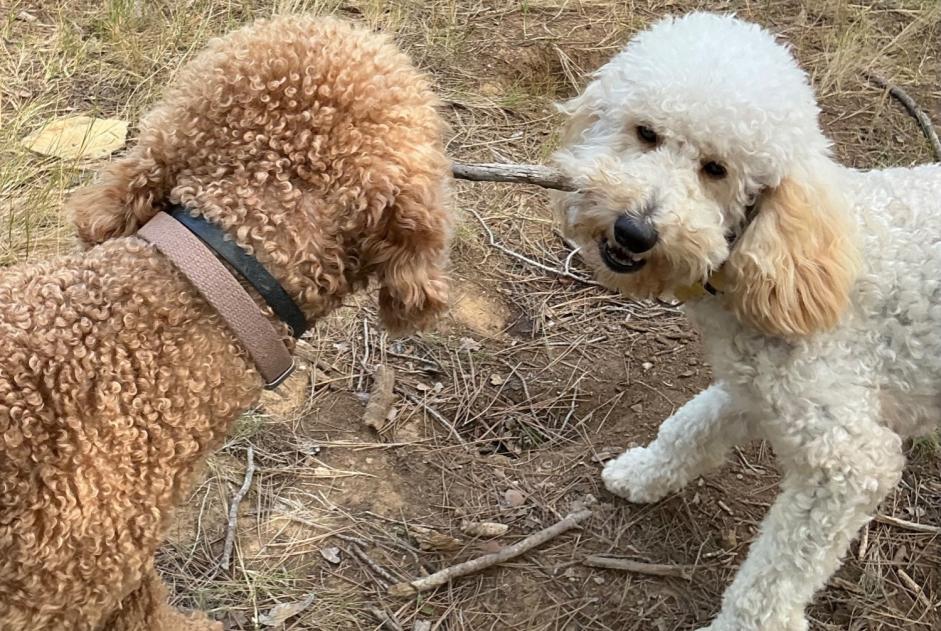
point(221, 290)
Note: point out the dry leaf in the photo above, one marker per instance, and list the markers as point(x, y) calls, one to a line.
point(78, 137)
point(469, 344)
point(484, 529)
point(279, 614)
point(435, 541)
point(331, 554)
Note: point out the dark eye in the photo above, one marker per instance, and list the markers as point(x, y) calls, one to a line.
point(714, 170)
point(647, 135)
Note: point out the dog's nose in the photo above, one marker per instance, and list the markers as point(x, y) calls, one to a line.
point(635, 235)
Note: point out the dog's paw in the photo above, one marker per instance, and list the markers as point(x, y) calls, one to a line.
point(794, 622)
point(637, 476)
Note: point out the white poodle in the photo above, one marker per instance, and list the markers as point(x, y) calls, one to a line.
point(701, 165)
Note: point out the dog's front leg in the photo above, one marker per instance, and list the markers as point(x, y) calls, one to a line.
point(835, 475)
point(692, 441)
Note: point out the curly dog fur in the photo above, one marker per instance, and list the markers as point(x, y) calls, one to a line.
point(317, 146)
point(825, 337)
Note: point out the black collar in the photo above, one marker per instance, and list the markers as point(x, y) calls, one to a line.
point(247, 266)
point(751, 212)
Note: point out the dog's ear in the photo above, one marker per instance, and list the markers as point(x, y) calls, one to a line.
point(793, 269)
point(126, 195)
point(581, 112)
point(413, 282)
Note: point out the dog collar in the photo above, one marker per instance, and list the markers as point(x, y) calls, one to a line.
point(196, 260)
point(247, 266)
point(715, 284)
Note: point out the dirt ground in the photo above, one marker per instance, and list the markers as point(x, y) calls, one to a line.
point(506, 411)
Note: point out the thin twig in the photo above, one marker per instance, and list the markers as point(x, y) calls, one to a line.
point(552, 270)
point(381, 572)
point(907, 525)
point(915, 588)
point(385, 620)
point(234, 509)
point(435, 414)
point(489, 560)
point(545, 177)
point(651, 569)
point(863, 543)
point(381, 398)
point(909, 103)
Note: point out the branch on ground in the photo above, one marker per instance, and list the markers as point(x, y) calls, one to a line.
point(909, 103)
point(381, 398)
point(637, 567)
point(535, 174)
point(479, 564)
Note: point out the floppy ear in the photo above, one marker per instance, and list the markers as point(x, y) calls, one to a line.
point(582, 112)
point(793, 269)
point(413, 283)
point(126, 195)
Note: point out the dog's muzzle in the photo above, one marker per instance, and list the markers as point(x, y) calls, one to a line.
point(632, 238)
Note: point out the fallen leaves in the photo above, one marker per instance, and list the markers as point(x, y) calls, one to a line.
point(279, 614)
point(78, 137)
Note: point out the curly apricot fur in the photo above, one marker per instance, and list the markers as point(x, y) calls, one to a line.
point(318, 147)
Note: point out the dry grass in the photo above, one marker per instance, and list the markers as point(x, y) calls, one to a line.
point(504, 411)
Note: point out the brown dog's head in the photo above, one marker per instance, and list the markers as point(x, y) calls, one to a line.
point(317, 146)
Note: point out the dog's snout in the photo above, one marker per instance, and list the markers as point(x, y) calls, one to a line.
point(635, 235)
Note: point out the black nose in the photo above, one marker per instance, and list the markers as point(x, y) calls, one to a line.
point(634, 235)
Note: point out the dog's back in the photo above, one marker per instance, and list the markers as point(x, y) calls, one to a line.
point(898, 295)
point(108, 400)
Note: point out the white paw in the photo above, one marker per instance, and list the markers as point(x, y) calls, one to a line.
point(638, 476)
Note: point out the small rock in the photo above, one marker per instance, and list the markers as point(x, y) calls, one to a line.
point(637, 408)
point(421, 625)
point(496, 380)
point(646, 365)
point(598, 580)
point(514, 498)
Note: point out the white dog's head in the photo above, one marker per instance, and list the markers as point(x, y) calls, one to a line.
point(698, 121)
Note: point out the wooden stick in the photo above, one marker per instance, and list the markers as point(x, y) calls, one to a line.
point(489, 560)
point(909, 103)
point(381, 398)
point(915, 588)
point(545, 177)
point(381, 572)
point(863, 543)
point(907, 525)
point(651, 569)
point(234, 509)
point(385, 620)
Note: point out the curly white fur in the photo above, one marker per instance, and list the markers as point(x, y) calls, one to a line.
point(827, 338)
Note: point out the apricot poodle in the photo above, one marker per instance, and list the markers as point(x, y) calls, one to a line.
point(317, 147)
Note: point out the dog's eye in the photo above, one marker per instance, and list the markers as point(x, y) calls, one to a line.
point(714, 170)
point(647, 135)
